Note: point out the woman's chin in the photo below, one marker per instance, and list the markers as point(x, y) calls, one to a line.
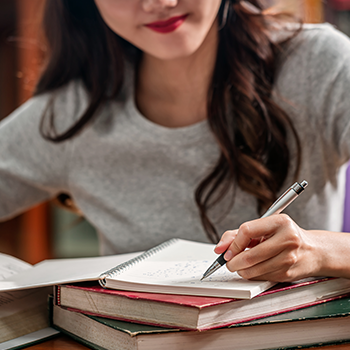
point(172, 52)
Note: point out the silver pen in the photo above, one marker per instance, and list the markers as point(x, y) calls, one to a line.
point(279, 205)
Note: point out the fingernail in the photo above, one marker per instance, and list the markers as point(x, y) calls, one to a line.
point(228, 255)
point(218, 245)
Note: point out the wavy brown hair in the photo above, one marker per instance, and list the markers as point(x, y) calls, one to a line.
point(250, 128)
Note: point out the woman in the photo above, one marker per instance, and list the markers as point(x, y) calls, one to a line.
point(181, 118)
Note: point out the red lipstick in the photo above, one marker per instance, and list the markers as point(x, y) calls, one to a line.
point(167, 26)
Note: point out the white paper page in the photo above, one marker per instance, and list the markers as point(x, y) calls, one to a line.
point(29, 338)
point(57, 271)
point(9, 265)
point(182, 265)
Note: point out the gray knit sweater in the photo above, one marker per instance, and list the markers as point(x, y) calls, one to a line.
point(135, 180)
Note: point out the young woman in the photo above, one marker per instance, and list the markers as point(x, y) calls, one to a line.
point(182, 118)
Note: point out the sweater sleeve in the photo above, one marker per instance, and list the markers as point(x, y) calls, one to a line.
point(32, 169)
point(329, 95)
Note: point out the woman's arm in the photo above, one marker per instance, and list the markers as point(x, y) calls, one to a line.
point(32, 169)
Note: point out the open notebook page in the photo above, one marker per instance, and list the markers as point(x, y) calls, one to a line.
point(9, 265)
point(177, 269)
point(20, 275)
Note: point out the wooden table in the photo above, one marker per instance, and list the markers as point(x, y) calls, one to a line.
point(62, 342)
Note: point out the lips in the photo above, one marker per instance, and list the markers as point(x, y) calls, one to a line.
point(167, 26)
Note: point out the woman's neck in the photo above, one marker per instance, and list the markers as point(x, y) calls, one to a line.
point(174, 93)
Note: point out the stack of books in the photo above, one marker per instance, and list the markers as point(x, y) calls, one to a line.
point(325, 323)
point(24, 291)
point(156, 300)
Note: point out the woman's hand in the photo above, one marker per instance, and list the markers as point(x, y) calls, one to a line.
point(279, 250)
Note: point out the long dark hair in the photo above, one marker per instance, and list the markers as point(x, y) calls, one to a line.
point(250, 128)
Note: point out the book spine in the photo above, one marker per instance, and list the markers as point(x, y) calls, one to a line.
point(57, 295)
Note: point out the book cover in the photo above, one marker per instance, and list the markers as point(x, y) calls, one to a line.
point(29, 339)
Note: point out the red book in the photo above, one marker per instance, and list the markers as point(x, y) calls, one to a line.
point(197, 312)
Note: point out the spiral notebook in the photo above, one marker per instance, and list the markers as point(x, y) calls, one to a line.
point(176, 267)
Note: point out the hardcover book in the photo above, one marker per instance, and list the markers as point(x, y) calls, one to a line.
point(196, 312)
point(328, 322)
point(24, 291)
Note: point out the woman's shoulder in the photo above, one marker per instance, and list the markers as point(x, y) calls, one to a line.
point(280, 32)
point(324, 38)
point(66, 103)
point(69, 95)
point(314, 56)
point(320, 44)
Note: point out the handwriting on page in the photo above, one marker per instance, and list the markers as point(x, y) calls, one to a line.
point(189, 272)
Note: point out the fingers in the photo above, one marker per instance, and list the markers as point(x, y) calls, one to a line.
point(225, 241)
point(257, 230)
point(248, 258)
point(277, 255)
point(280, 268)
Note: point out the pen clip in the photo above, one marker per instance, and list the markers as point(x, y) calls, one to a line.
point(280, 198)
point(292, 192)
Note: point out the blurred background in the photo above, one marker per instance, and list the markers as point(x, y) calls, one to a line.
point(47, 231)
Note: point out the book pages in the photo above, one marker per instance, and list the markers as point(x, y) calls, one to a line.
point(17, 274)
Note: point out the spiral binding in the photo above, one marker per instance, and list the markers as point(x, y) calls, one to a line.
point(126, 265)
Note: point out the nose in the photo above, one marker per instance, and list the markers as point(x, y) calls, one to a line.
point(158, 5)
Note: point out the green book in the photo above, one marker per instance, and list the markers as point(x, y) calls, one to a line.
point(326, 323)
